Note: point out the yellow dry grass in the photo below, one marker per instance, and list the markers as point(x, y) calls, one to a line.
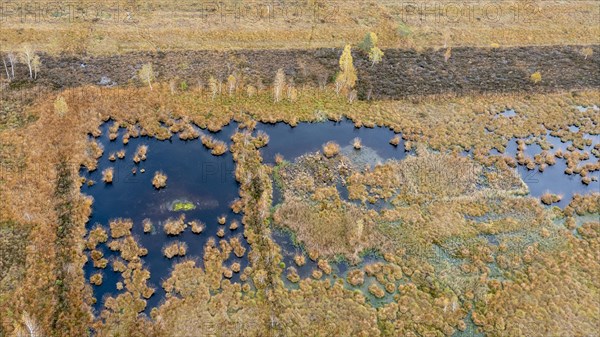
point(165, 25)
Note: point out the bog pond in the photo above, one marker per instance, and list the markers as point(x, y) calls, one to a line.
point(202, 187)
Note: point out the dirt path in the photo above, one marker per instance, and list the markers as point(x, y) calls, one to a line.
point(402, 72)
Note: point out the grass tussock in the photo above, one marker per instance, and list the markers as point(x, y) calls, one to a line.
point(175, 226)
point(148, 226)
point(197, 226)
point(108, 175)
point(140, 153)
point(217, 147)
point(120, 227)
point(331, 149)
point(160, 180)
point(96, 279)
point(175, 249)
point(549, 198)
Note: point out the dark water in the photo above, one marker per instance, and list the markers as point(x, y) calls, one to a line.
point(553, 179)
point(292, 142)
point(208, 181)
point(193, 174)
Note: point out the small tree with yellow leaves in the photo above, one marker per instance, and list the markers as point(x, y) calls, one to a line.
point(146, 74)
point(346, 78)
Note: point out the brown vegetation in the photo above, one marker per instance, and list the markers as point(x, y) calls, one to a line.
point(330, 149)
point(160, 180)
point(175, 249)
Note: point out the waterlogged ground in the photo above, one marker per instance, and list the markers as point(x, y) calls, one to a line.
point(208, 182)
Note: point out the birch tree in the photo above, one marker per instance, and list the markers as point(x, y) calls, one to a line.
point(36, 63)
point(231, 84)
point(27, 57)
point(146, 74)
point(214, 87)
point(6, 68)
point(346, 78)
point(12, 59)
point(278, 84)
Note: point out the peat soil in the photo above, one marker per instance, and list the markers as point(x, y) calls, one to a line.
point(402, 73)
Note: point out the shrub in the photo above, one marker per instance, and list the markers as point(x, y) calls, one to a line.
point(160, 180)
point(234, 225)
point(331, 149)
point(536, 77)
point(395, 140)
point(357, 143)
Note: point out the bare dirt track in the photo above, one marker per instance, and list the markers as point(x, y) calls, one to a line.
point(402, 72)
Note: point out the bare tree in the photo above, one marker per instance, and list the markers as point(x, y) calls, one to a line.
point(146, 74)
point(6, 68)
point(31, 327)
point(231, 84)
point(214, 88)
point(278, 84)
point(27, 58)
point(36, 63)
point(12, 59)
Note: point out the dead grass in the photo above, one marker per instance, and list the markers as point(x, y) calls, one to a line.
point(429, 24)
